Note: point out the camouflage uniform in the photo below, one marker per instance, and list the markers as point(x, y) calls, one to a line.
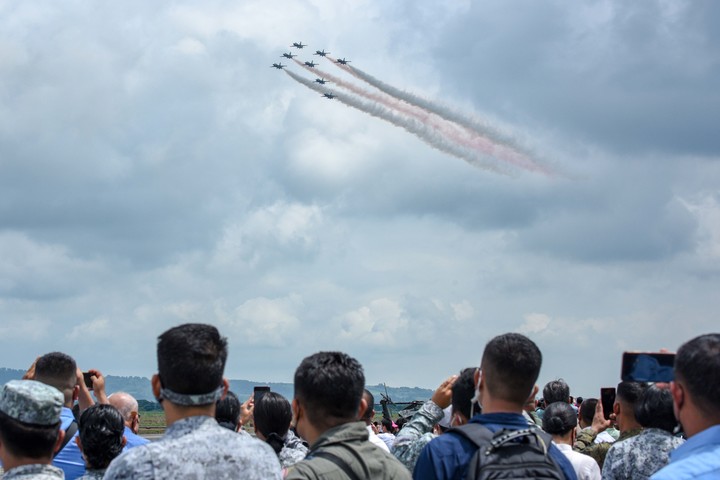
point(34, 403)
point(417, 433)
point(585, 444)
point(640, 456)
point(34, 472)
point(93, 475)
point(293, 451)
point(197, 447)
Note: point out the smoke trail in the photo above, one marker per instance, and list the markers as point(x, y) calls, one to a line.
point(416, 127)
point(444, 112)
point(449, 129)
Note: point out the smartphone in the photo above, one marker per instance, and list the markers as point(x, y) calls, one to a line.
point(87, 376)
point(258, 393)
point(607, 397)
point(647, 367)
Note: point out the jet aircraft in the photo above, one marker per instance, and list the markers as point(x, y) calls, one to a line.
point(343, 61)
point(288, 55)
point(311, 64)
point(298, 45)
point(328, 95)
point(321, 81)
point(279, 66)
point(322, 52)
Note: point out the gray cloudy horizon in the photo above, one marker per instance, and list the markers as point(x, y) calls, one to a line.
point(154, 170)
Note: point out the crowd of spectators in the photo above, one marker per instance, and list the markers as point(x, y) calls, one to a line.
point(486, 420)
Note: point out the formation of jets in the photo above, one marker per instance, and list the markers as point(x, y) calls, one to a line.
point(311, 64)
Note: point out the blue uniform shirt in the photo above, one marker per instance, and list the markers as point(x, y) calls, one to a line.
point(69, 459)
point(133, 440)
point(698, 457)
point(448, 456)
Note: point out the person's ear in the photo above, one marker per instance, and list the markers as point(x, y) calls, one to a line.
point(678, 395)
point(76, 392)
point(363, 408)
point(124, 441)
point(616, 409)
point(59, 442)
point(297, 410)
point(534, 392)
point(226, 387)
point(156, 385)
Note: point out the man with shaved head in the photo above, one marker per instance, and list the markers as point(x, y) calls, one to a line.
point(128, 408)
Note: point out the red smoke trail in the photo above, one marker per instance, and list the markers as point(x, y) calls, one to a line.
point(426, 133)
point(482, 136)
point(450, 129)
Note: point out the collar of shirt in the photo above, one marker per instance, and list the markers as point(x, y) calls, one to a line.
point(188, 425)
point(709, 436)
point(495, 421)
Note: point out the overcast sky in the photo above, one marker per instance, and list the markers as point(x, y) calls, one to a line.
point(154, 170)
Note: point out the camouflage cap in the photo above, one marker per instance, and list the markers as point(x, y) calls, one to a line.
point(31, 402)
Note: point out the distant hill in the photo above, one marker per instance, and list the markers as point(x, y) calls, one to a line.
point(139, 387)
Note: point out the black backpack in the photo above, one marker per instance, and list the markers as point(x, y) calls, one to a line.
point(509, 454)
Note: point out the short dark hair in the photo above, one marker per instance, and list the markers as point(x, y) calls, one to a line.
point(330, 386)
point(58, 370)
point(559, 418)
point(101, 429)
point(587, 410)
point(654, 409)
point(511, 365)
point(370, 410)
point(463, 391)
point(227, 411)
point(28, 440)
point(191, 358)
point(556, 391)
point(272, 416)
point(629, 392)
point(697, 368)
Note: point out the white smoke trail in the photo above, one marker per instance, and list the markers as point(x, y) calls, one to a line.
point(471, 124)
point(411, 125)
point(457, 133)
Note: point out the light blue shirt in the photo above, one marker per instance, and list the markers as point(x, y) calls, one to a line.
point(133, 440)
point(69, 459)
point(698, 457)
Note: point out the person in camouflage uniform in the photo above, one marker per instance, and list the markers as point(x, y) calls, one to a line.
point(418, 432)
point(191, 362)
point(627, 396)
point(30, 429)
point(640, 456)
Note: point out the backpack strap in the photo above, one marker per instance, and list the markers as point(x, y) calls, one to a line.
point(339, 462)
point(478, 434)
point(69, 433)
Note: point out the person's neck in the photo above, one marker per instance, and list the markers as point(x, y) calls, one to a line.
point(695, 421)
point(627, 423)
point(173, 412)
point(10, 461)
point(497, 405)
point(563, 439)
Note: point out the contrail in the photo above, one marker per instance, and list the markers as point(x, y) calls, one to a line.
point(449, 129)
point(472, 125)
point(411, 125)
